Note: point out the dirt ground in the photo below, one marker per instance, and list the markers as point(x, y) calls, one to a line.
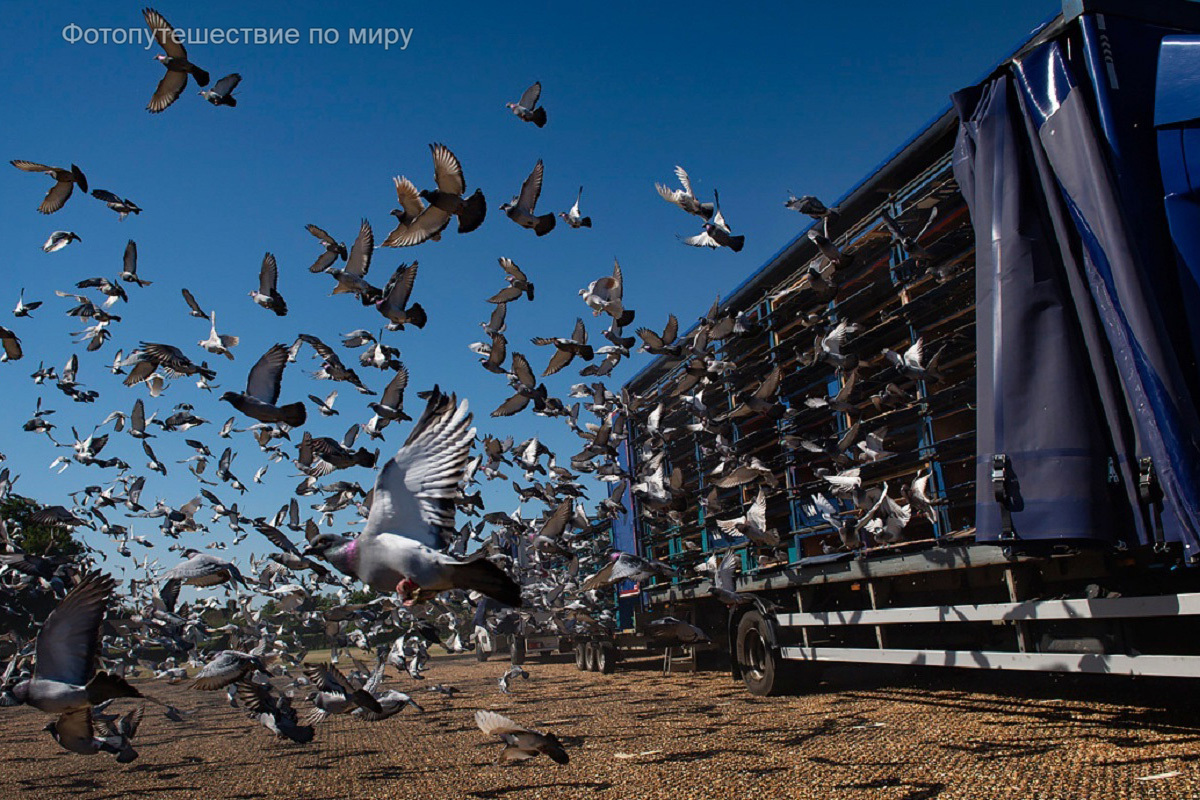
point(637, 734)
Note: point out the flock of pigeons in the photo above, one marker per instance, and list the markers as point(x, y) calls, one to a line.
point(436, 582)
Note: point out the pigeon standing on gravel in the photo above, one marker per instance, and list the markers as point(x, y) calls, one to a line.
point(527, 107)
point(64, 183)
point(262, 392)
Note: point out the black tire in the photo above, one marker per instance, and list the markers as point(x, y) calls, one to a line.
point(590, 655)
point(764, 671)
point(517, 650)
point(581, 656)
point(606, 658)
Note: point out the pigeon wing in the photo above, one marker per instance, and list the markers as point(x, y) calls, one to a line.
point(266, 376)
point(530, 97)
point(531, 189)
point(360, 252)
point(69, 641)
point(447, 172)
point(415, 490)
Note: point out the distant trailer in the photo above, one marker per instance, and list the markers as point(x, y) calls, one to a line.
point(1050, 257)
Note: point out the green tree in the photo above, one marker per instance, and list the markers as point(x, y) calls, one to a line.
point(35, 538)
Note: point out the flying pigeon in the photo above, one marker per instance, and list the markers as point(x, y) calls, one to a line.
point(266, 295)
point(222, 92)
point(262, 392)
point(521, 208)
point(64, 182)
point(445, 201)
point(175, 60)
point(527, 107)
point(60, 239)
point(412, 517)
point(573, 217)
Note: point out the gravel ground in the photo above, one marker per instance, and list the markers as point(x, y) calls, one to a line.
point(636, 734)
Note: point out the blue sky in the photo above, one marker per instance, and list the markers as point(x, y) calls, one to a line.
point(753, 100)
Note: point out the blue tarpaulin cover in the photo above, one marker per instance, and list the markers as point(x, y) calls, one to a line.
point(1086, 360)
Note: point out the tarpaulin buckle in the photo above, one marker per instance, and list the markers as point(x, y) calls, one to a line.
point(1148, 489)
point(1000, 493)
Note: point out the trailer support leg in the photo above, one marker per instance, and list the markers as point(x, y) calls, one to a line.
point(1018, 590)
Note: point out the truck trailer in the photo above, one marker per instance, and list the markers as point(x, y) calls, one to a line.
point(1031, 262)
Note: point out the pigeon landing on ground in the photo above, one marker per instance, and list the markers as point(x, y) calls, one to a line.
point(527, 107)
point(336, 694)
point(262, 392)
point(512, 674)
point(521, 743)
point(521, 208)
point(273, 713)
point(175, 60)
point(64, 183)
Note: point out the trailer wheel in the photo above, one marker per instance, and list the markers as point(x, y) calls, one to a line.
point(581, 656)
point(606, 658)
point(517, 649)
point(590, 655)
point(764, 671)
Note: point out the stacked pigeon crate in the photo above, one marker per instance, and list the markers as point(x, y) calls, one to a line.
point(894, 301)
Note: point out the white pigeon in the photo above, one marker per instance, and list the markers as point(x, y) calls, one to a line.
point(217, 343)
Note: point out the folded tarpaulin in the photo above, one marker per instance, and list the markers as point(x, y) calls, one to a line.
point(1086, 427)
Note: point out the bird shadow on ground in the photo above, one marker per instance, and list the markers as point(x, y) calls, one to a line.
point(596, 786)
point(994, 750)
